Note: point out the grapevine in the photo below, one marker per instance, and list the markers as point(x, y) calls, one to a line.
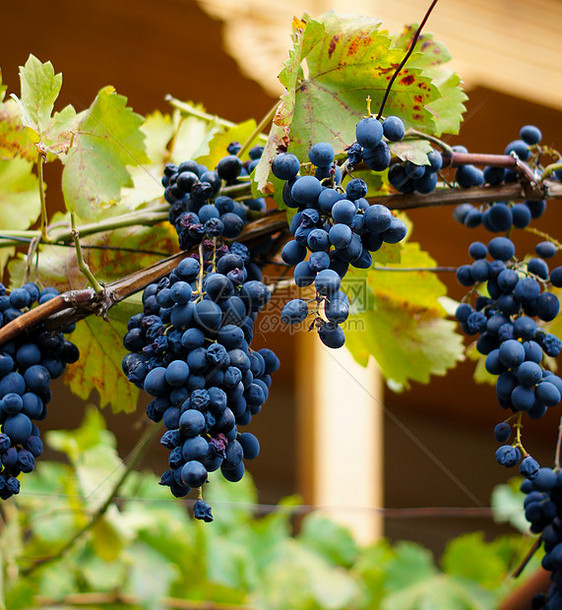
point(323, 203)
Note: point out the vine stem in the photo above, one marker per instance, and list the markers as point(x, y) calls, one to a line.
point(117, 598)
point(82, 264)
point(518, 425)
point(545, 236)
point(551, 168)
point(258, 130)
point(201, 114)
point(558, 446)
point(136, 454)
point(406, 57)
point(40, 160)
point(414, 133)
point(75, 305)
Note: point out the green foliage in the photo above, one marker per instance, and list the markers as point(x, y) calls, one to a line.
point(507, 500)
point(150, 548)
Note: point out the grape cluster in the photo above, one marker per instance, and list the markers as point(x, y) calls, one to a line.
point(508, 321)
point(543, 507)
point(500, 216)
point(190, 350)
point(197, 211)
point(332, 229)
point(27, 365)
point(371, 147)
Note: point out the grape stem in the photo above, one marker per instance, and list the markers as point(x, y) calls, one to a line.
point(518, 425)
point(414, 133)
point(136, 453)
point(258, 130)
point(549, 169)
point(41, 157)
point(82, 264)
point(190, 110)
point(545, 236)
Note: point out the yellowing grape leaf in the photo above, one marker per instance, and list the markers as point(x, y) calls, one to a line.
point(431, 56)
point(398, 320)
point(107, 139)
point(158, 129)
point(15, 139)
point(222, 138)
point(19, 199)
point(192, 136)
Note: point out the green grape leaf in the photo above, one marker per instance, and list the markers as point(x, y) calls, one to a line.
point(470, 557)
point(159, 130)
point(507, 505)
point(107, 139)
point(40, 87)
point(480, 374)
point(398, 320)
point(301, 580)
point(20, 205)
point(106, 539)
point(440, 592)
point(101, 342)
point(101, 353)
point(331, 541)
point(411, 564)
point(278, 140)
point(335, 63)
point(370, 569)
point(150, 576)
point(431, 56)
point(3, 88)
point(91, 433)
point(15, 139)
point(412, 150)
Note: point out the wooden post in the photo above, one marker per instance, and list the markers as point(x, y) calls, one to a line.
point(340, 436)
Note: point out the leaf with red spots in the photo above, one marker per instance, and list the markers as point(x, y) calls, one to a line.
point(431, 56)
point(348, 59)
point(335, 63)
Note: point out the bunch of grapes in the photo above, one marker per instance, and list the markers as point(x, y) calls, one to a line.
point(332, 229)
point(508, 321)
point(371, 147)
point(190, 350)
point(197, 210)
point(501, 216)
point(27, 365)
point(543, 507)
